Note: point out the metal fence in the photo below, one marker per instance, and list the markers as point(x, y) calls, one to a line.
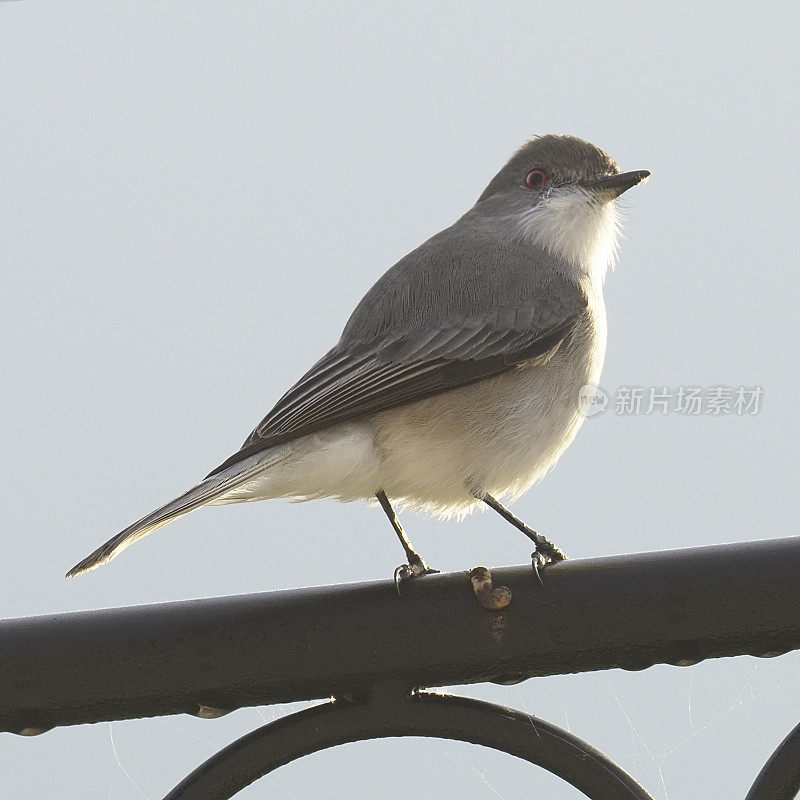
point(373, 649)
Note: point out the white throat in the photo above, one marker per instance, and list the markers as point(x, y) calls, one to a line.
point(577, 226)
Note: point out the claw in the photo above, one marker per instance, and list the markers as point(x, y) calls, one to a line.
point(402, 573)
point(538, 562)
point(545, 553)
point(415, 569)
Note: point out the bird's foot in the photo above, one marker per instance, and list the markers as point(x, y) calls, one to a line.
point(415, 568)
point(546, 553)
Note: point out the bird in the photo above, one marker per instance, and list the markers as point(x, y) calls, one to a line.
point(455, 383)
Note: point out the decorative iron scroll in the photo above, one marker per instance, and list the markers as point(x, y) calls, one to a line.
point(390, 712)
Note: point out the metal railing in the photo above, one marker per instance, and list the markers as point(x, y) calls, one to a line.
point(373, 650)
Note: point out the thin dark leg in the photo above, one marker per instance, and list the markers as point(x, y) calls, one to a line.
point(416, 564)
point(544, 547)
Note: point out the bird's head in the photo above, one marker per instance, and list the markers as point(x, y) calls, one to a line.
point(561, 192)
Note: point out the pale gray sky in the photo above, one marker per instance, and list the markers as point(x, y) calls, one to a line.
point(193, 199)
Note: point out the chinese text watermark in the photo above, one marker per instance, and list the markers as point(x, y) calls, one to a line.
point(686, 400)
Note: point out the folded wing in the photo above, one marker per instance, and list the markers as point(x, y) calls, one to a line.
point(363, 379)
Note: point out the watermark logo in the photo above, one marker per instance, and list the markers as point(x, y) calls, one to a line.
point(712, 401)
point(592, 400)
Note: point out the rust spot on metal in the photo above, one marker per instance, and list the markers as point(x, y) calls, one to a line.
point(489, 597)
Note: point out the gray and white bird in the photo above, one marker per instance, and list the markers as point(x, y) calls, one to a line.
point(456, 380)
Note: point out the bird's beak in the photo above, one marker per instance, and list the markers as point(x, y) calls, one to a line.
point(615, 185)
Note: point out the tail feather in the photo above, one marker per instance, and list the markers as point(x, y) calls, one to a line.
point(207, 491)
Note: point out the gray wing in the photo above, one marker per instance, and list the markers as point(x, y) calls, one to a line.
point(411, 338)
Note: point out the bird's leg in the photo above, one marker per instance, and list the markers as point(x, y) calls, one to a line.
point(546, 552)
point(416, 564)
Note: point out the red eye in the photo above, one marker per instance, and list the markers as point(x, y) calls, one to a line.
point(535, 179)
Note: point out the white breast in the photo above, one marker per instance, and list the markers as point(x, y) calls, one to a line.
point(578, 227)
point(499, 435)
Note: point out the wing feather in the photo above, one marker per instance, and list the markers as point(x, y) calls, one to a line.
point(343, 386)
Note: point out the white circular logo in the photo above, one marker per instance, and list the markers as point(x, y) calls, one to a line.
point(591, 400)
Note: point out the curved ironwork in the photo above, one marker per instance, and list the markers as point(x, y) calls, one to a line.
point(389, 713)
point(780, 777)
